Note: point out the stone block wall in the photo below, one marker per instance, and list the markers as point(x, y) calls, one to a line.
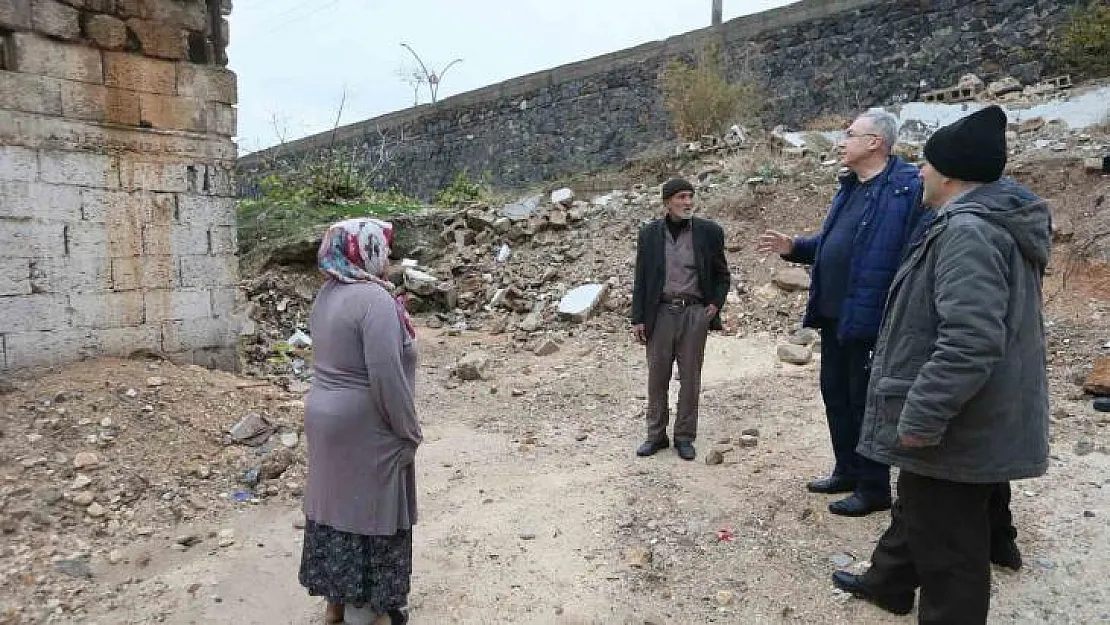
point(813, 57)
point(117, 211)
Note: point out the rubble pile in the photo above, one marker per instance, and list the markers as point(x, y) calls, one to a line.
point(539, 268)
point(273, 337)
point(1007, 89)
point(109, 454)
point(549, 265)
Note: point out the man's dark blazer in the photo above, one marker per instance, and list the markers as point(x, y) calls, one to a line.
point(714, 279)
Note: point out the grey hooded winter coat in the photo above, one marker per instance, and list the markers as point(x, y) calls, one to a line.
point(960, 357)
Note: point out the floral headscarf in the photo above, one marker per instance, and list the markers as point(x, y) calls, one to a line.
point(357, 250)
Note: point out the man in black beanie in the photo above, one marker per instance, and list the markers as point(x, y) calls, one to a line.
point(958, 394)
point(682, 279)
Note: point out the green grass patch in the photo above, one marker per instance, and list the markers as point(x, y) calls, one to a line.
point(288, 211)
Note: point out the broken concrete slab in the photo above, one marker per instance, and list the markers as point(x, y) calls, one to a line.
point(1009, 84)
point(419, 282)
point(562, 196)
point(521, 209)
point(580, 303)
point(795, 354)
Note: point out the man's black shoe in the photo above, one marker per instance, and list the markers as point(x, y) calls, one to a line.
point(649, 448)
point(832, 485)
point(1006, 554)
point(685, 449)
point(856, 505)
point(895, 604)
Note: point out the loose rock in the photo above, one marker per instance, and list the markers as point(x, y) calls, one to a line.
point(86, 460)
point(252, 430)
point(74, 568)
point(791, 279)
point(638, 557)
point(187, 540)
point(795, 354)
point(562, 196)
point(546, 348)
point(1098, 380)
point(276, 463)
point(472, 366)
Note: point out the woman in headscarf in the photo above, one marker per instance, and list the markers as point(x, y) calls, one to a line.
point(362, 430)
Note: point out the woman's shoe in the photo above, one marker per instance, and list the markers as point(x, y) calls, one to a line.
point(334, 613)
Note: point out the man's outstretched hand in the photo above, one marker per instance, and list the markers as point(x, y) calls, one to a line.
point(775, 242)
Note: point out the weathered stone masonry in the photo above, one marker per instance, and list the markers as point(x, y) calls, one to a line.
point(116, 198)
point(814, 57)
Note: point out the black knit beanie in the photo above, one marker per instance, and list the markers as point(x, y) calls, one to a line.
point(972, 149)
point(675, 185)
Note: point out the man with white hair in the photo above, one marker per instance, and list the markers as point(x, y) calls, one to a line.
point(854, 259)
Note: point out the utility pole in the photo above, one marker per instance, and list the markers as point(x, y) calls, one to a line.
point(717, 10)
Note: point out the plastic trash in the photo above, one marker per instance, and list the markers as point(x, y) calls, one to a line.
point(251, 477)
point(300, 339)
point(504, 252)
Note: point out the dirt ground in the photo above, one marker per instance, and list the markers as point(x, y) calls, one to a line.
point(523, 522)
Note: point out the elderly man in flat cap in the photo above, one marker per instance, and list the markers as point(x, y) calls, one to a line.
point(958, 395)
point(682, 279)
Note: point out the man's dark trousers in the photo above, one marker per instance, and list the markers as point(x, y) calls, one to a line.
point(845, 369)
point(680, 335)
point(939, 540)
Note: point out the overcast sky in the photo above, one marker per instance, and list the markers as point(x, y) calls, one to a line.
point(295, 58)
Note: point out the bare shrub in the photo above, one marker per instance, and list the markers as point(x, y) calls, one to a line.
point(702, 102)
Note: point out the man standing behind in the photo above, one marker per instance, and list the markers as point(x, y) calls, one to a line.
point(854, 259)
point(682, 279)
point(958, 394)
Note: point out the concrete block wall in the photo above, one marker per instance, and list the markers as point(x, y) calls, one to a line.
point(812, 57)
point(117, 217)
